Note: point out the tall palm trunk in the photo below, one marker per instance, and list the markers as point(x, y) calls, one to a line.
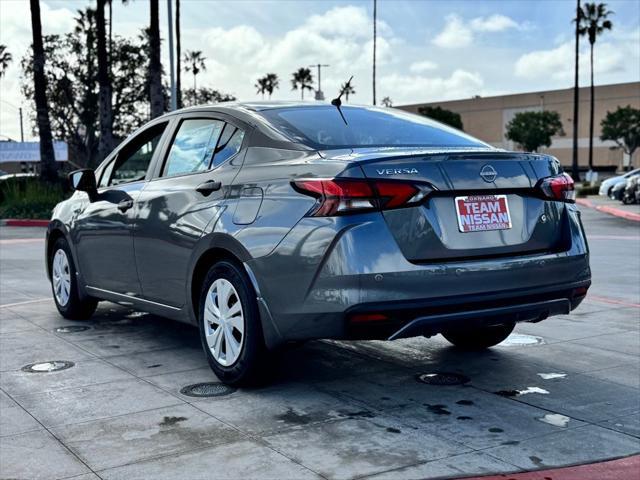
point(48, 165)
point(575, 171)
point(105, 143)
point(375, 35)
point(591, 115)
point(155, 68)
point(178, 54)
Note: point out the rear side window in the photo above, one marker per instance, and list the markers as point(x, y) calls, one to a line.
point(229, 144)
point(193, 146)
point(133, 160)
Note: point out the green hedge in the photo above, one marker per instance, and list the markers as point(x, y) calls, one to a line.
point(29, 198)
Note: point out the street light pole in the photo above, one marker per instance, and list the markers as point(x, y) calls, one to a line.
point(375, 16)
point(171, 60)
point(21, 129)
point(319, 94)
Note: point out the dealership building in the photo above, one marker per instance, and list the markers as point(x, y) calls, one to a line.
point(487, 117)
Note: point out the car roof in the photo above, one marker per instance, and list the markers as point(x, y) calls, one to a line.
point(261, 106)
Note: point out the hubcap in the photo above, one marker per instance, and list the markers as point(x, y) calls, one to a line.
point(61, 277)
point(224, 322)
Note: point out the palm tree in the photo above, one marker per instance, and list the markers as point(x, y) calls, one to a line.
point(105, 142)
point(156, 97)
point(272, 82)
point(49, 167)
point(178, 49)
point(261, 86)
point(375, 37)
point(575, 171)
point(347, 89)
point(195, 64)
point(5, 59)
point(592, 21)
point(302, 79)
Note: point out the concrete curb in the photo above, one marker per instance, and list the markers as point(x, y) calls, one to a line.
point(621, 469)
point(610, 210)
point(23, 222)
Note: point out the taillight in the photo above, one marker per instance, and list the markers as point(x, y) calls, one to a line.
point(560, 187)
point(339, 196)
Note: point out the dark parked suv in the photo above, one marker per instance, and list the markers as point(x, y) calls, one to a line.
point(270, 223)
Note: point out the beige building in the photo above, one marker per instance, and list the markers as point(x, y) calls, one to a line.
point(486, 118)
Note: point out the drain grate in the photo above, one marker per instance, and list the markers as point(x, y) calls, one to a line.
point(208, 389)
point(442, 378)
point(521, 340)
point(47, 367)
point(72, 329)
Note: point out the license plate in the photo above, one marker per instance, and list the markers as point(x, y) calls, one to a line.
point(480, 213)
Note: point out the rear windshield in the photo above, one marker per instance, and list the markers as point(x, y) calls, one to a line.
point(322, 127)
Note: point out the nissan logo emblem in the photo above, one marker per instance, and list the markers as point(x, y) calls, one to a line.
point(488, 173)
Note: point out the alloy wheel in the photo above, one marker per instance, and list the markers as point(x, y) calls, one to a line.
point(224, 322)
point(61, 277)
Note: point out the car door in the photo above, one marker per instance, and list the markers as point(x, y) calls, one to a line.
point(187, 193)
point(103, 230)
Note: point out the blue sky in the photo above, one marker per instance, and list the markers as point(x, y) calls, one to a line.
point(428, 50)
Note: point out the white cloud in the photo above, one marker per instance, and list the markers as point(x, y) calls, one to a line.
point(493, 23)
point(458, 33)
point(617, 54)
point(414, 89)
point(421, 67)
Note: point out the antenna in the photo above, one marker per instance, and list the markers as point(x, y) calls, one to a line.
point(337, 102)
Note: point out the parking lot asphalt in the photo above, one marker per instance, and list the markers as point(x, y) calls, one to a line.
point(562, 392)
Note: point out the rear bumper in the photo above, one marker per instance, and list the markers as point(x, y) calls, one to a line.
point(430, 317)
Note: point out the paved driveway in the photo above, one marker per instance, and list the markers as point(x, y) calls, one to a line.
point(561, 392)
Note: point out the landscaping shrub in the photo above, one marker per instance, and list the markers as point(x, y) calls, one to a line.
point(29, 198)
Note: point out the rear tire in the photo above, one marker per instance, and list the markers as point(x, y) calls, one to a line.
point(479, 338)
point(230, 327)
point(64, 285)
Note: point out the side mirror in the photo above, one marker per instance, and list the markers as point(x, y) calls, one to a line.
point(84, 180)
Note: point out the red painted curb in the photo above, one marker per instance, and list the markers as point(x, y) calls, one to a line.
point(610, 210)
point(25, 222)
point(619, 213)
point(622, 469)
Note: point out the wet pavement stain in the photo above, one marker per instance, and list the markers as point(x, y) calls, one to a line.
point(393, 430)
point(171, 421)
point(464, 417)
point(465, 402)
point(295, 418)
point(361, 414)
point(496, 430)
point(511, 442)
point(437, 409)
point(536, 461)
point(155, 366)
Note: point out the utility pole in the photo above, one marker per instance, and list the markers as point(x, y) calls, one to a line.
point(575, 171)
point(171, 60)
point(21, 129)
point(319, 93)
point(375, 16)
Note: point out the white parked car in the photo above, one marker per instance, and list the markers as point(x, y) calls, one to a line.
point(606, 187)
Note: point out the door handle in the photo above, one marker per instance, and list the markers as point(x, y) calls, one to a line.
point(209, 186)
point(125, 205)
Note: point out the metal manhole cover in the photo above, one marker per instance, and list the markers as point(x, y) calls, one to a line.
point(46, 367)
point(71, 329)
point(442, 378)
point(208, 389)
point(521, 340)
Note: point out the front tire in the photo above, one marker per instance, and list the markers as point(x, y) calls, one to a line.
point(479, 338)
point(64, 285)
point(230, 328)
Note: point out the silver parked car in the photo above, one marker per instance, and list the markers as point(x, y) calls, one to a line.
point(268, 223)
point(607, 186)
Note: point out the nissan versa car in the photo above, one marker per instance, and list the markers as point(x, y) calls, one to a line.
point(269, 223)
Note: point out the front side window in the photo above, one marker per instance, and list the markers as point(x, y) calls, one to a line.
point(193, 146)
point(133, 160)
